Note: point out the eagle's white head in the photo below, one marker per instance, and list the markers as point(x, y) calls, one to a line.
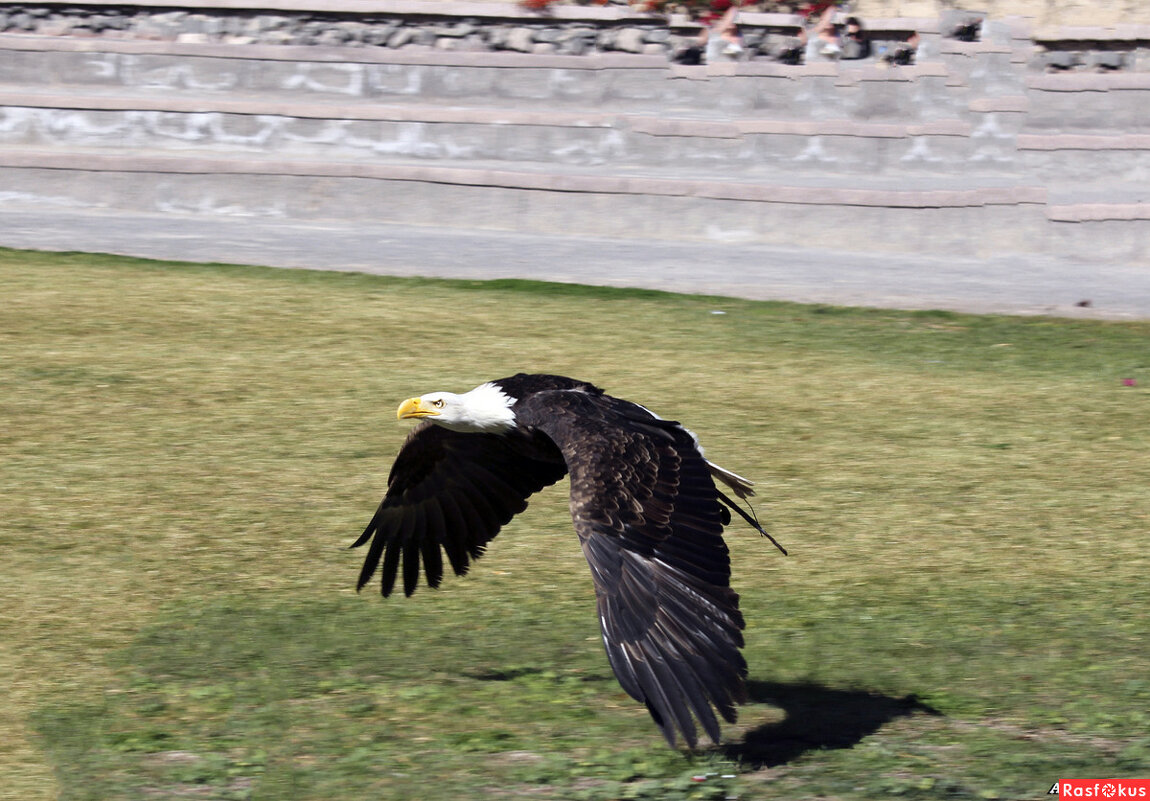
point(485, 409)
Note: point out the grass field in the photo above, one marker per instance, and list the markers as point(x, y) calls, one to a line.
point(188, 450)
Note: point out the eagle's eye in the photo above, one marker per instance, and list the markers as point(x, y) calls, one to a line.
point(437, 403)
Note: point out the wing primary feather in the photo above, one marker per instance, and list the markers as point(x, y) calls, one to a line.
point(709, 664)
point(489, 518)
point(654, 699)
point(496, 484)
point(477, 528)
point(432, 559)
point(410, 565)
point(454, 535)
point(390, 567)
point(677, 694)
point(713, 686)
point(439, 531)
point(718, 680)
point(371, 561)
point(624, 671)
point(367, 532)
point(655, 696)
point(668, 732)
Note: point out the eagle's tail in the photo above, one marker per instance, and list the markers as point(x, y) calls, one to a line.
point(743, 487)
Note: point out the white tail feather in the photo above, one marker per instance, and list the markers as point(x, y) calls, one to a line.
point(742, 487)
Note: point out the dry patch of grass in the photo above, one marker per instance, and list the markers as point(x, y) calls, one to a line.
point(189, 449)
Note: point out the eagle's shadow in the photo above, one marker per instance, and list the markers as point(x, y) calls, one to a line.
point(816, 718)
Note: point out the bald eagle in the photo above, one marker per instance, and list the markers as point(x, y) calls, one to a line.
point(645, 507)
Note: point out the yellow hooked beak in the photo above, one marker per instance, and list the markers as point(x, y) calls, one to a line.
point(415, 407)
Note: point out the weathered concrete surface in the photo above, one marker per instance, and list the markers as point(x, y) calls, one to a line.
point(963, 216)
point(1044, 12)
point(997, 283)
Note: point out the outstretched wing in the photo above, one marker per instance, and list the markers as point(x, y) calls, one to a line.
point(452, 491)
point(650, 522)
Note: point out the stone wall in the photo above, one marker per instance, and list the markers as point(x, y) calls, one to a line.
point(427, 25)
point(331, 28)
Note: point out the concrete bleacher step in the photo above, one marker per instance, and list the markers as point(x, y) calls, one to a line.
point(191, 121)
point(1088, 103)
point(927, 215)
point(359, 129)
point(935, 116)
point(604, 82)
point(566, 109)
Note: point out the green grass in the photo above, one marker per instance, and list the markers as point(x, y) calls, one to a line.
point(189, 449)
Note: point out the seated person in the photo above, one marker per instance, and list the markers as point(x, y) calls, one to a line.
point(903, 54)
point(822, 41)
point(722, 41)
point(855, 42)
